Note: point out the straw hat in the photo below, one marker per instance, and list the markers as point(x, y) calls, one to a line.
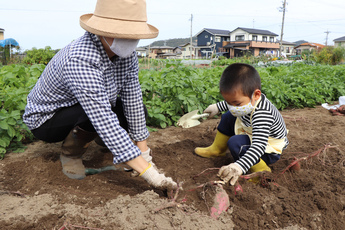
point(119, 19)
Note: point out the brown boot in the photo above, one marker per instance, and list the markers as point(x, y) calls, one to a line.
point(73, 148)
point(99, 141)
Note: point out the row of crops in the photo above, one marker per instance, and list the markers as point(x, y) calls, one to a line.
point(178, 89)
point(174, 90)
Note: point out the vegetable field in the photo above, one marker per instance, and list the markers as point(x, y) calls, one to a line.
point(174, 90)
point(304, 191)
point(177, 89)
point(35, 194)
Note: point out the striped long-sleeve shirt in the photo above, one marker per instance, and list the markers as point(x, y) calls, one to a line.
point(266, 122)
point(83, 73)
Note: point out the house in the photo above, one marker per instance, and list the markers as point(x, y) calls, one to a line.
point(254, 41)
point(2, 36)
point(210, 41)
point(308, 47)
point(288, 48)
point(187, 49)
point(338, 42)
point(142, 52)
point(164, 52)
point(299, 42)
point(177, 51)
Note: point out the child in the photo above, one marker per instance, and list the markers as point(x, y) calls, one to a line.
point(252, 129)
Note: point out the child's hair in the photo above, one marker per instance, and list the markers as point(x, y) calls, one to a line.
point(240, 76)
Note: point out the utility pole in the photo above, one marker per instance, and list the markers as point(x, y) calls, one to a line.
point(282, 30)
point(191, 36)
point(149, 60)
point(327, 32)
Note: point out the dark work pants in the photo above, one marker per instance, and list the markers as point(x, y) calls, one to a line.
point(59, 126)
point(239, 144)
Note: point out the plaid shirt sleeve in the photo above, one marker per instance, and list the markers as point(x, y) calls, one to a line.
point(87, 85)
point(131, 97)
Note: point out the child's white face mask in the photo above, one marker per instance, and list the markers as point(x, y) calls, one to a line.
point(123, 47)
point(240, 111)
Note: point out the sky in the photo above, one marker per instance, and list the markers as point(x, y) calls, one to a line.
point(55, 23)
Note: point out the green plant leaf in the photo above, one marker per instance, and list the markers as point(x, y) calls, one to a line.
point(3, 125)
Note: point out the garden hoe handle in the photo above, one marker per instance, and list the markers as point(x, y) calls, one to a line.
point(92, 171)
point(191, 119)
point(200, 116)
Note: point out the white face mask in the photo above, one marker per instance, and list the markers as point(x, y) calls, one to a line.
point(240, 111)
point(123, 47)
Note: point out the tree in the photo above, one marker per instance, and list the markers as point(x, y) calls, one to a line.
point(39, 56)
point(330, 55)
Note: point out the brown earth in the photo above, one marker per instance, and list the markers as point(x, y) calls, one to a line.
point(35, 194)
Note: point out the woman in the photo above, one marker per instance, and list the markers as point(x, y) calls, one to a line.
point(90, 89)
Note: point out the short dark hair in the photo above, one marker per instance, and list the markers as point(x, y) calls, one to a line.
point(240, 75)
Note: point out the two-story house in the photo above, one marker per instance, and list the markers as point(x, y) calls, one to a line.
point(288, 48)
point(210, 41)
point(255, 41)
point(187, 50)
point(339, 42)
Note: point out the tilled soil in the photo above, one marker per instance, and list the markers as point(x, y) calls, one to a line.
point(35, 194)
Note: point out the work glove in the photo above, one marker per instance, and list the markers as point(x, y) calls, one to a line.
point(212, 110)
point(158, 180)
point(147, 156)
point(230, 173)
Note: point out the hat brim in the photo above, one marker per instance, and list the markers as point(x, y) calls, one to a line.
point(113, 28)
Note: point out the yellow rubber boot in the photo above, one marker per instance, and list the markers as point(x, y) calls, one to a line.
point(259, 167)
point(217, 149)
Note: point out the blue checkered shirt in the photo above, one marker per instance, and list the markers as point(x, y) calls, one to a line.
point(83, 73)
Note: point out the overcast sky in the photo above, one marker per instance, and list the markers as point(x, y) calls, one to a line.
point(55, 23)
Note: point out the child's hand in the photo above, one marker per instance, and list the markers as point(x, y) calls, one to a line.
point(212, 110)
point(230, 173)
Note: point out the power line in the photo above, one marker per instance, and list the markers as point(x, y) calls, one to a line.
point(43, 10)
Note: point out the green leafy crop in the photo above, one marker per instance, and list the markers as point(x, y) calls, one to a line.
point(15, 81)
point(177, 89)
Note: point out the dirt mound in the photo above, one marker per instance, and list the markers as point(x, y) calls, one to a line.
point(35, 194)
